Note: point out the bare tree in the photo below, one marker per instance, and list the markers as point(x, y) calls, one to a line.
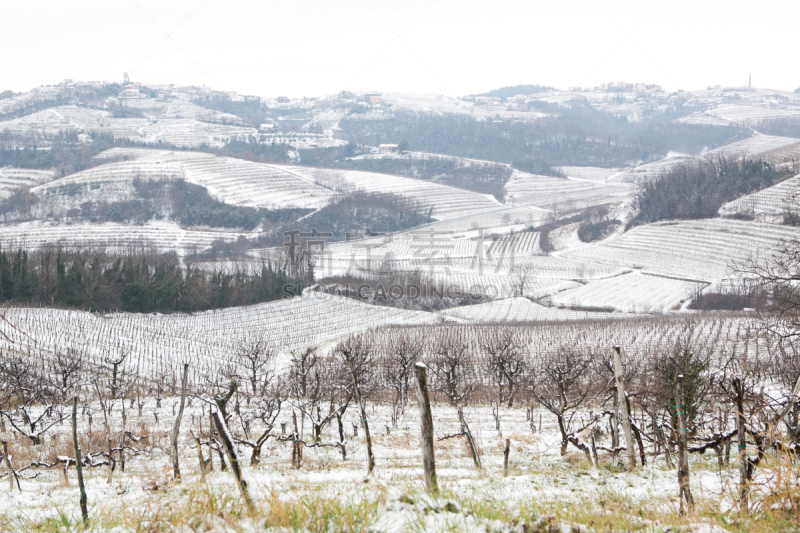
point(264, 410)
point(303, 362)
point(561, 382)
point(67, 369)
point(257, 359)
point(356, 354)
point(398, 368)
point(521, 276)
point(329, 390)
point(453, 366)
point(504, 365)
point(27, 398)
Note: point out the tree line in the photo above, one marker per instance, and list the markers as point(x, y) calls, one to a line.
point(139, 281)
point(574, 135)
point(699, 188)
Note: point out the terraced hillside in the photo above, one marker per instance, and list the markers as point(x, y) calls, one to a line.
point(632, 293)
point(447, 202)
point(563, 194)
point(233, 181)
point(158, 344)
point(756, 146)
point(769, 205)
point(14, 178)
point(188, 126)
point(702, 250)
point(161, 236)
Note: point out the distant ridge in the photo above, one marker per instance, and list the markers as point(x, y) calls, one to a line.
point(513, 90)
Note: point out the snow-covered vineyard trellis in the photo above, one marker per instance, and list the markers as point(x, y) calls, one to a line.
point(157, 345)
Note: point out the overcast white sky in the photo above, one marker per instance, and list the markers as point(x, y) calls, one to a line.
point(317, 47)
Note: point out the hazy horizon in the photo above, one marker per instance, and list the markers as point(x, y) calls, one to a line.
point(314, 48)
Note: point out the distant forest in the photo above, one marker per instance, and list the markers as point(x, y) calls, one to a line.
point(64, 154)
point(784, 127)
point(137, 282)
point(570, 135)
point(698, 189)
point(355, 213)
point(187, 203)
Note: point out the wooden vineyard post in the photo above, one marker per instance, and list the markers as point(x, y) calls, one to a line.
point(364, 423)
point(683, 452)
point(200, 458)
point(111, 463)
point(12, 475)
point(505, 457)
point(426, 425)
point(623, 407)
point(297, 445)
point(78, 465)
point(741, 436)
point(233, 457)
point(173, 440)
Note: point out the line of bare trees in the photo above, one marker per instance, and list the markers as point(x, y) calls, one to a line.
point(683, 398)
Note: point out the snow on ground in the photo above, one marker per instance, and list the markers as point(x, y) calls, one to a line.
point(636, 175)
point(746, 115)
point(159, 235)
point(447, 202)
point(752, 114)
point(230, 180)
point(432, 103)
point(464, 259)
point(13, 178)
point(701, 250)
point(160, 343)
point(520, 310)
point(767, 205)
point(538, 477)
point(653, 170)
point(180, 109)
point(703, 118)
point(598, 174)
point(632, 293)
point(183, 128)
point(467, 161)
point(754, 146)
point(498, 220)
point(563, 194)
point(278, 186)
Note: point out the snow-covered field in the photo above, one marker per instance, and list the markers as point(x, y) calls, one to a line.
point(329, 493)
point(186, 126)
point(561, 194)
point(160, 343)
point(633, 293)
point(754, 146)
point(12, 179)
point(233, 181)
point(768, 205)
point(240, 182)
point(158, 235)
point(748, 115)
point(447, 202)
point(444, 104)
point(702, 250)
point(521, 310)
